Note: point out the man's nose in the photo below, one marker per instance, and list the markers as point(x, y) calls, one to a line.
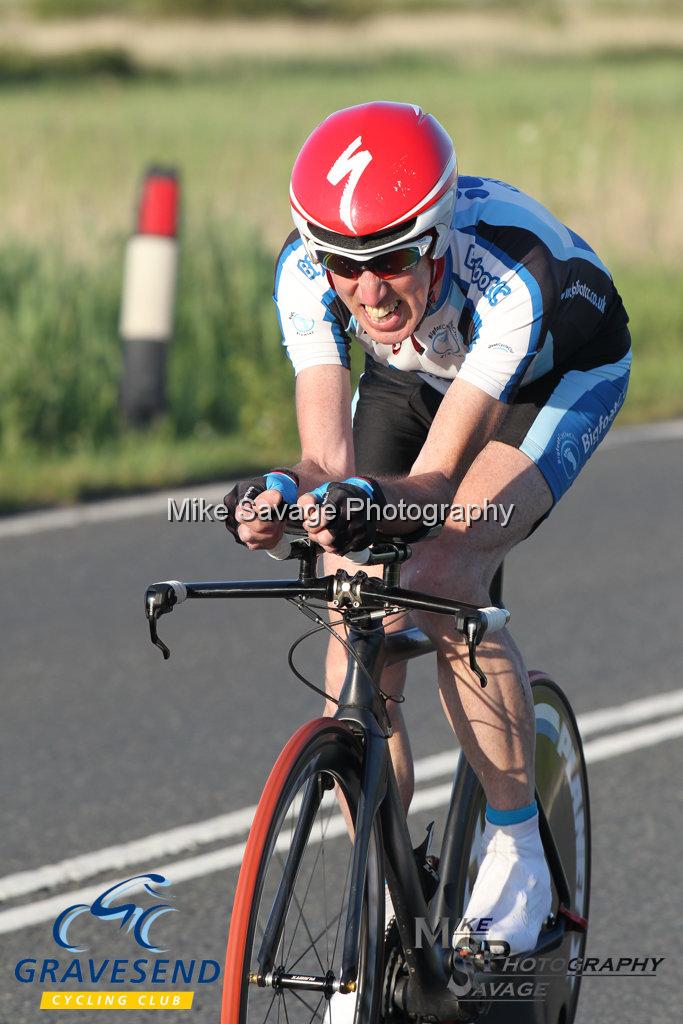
point(371, 289)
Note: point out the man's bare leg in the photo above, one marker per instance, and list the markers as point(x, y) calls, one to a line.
point(495, 725)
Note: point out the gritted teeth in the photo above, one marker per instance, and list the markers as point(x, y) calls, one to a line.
point(380, 312)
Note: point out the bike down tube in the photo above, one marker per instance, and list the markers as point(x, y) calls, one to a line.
point(427, 991)
point(360, 705)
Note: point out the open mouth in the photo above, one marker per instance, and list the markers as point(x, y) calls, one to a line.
point(382, 314)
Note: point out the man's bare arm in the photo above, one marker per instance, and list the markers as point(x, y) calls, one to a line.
point(323, 411)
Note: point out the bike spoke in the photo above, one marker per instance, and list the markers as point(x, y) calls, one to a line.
point(322, 844)
point(299, 958)
point(302, 1000)
point(308, 886)
point(270, 1007)
point(315, 1012)
point(346, 882)
point(308, 932)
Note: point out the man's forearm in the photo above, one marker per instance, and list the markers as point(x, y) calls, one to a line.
point(427, 489)
point(311, 474)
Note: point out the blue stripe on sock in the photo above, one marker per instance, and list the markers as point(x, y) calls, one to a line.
point(512, 817)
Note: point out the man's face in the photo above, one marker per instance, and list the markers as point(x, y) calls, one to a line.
point(388, 310)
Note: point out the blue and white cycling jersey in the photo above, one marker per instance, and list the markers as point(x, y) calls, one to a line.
point(516, 296)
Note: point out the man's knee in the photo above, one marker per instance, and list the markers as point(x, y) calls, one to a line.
point(457, 565)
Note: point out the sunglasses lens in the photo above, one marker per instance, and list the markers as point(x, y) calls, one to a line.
point(391, 264)
point(386, 265)
point(340, 265)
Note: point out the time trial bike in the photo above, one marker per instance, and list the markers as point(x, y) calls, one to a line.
point(307, 940)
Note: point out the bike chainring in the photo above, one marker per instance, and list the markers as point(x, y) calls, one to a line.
point(394, 968)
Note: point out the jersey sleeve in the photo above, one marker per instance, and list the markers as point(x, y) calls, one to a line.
point(511, 295)
point(313, 320)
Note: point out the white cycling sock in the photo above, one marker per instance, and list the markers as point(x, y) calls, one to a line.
point(512, 888)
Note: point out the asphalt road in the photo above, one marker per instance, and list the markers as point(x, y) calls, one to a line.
point(103, 742)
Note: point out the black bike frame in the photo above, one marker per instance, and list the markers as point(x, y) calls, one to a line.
point(361, 706)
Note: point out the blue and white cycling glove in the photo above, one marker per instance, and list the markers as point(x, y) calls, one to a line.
point(283, 480)
point(358, 502)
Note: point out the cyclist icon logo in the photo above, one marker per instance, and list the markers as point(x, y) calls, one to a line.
point(138, 919)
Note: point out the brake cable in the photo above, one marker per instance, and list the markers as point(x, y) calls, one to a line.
point(309, 611)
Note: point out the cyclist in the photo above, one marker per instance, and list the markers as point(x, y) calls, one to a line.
point(496, 358)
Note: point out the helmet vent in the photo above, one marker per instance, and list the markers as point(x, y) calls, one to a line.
point(358, 243)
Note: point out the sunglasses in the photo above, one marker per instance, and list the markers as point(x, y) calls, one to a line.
point(385, 266)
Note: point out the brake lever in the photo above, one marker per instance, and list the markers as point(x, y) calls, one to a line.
point(154, 637)
point(160, 599)
point(472, 635)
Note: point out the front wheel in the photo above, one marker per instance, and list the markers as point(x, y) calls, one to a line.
point(288, 921)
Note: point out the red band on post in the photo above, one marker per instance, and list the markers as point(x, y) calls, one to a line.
point(158, 209)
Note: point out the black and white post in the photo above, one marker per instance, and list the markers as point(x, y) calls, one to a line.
point(148, 297)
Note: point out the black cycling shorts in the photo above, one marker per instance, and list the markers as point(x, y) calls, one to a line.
point(558, 420)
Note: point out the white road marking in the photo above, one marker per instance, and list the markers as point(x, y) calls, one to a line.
point(599, 749)
point(633, 739)
point(628, 714)
point(106, 511)
point(157, 503)
point(231, 856)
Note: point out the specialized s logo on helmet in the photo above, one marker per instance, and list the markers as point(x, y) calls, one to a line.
point(350, 164)
point(373, 177)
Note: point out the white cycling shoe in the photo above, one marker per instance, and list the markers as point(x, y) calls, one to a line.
point(513, 889)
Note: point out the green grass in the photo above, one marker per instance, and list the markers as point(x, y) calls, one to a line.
point(133, 463)
point(596, 140)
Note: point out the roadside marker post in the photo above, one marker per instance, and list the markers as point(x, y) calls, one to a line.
point(148, 296)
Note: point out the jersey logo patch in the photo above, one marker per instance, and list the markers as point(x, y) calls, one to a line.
point(302, 324)
point(444, 340)
point(490, 284)
point(349, 165)
point(568, 455)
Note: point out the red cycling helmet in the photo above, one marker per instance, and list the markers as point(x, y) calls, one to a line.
point(371, 177)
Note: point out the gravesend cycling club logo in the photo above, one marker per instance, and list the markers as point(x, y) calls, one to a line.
point(123, 907)
point(138, 919)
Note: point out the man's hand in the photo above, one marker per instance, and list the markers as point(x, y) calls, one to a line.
point(358, 504)
point(248, 501)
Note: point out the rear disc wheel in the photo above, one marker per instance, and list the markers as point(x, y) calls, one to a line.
point(562, 786)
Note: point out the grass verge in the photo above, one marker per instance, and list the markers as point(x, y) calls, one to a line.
point(594, 139)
